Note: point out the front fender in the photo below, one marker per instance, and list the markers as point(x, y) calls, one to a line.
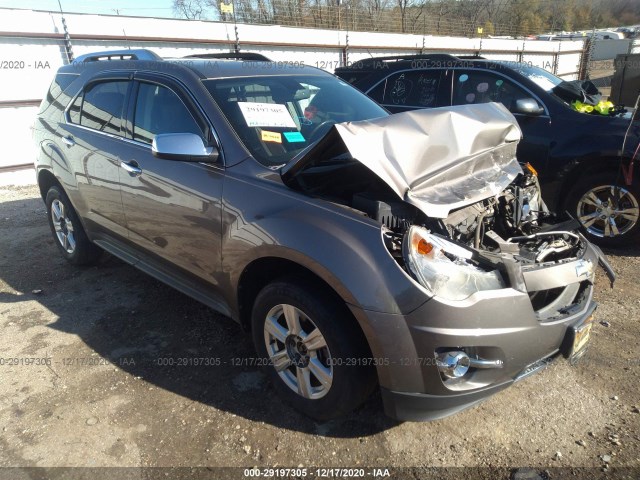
point(264, 218)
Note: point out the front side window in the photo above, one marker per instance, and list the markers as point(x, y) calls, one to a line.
point(471, 87)
point(102, 106)
point(160, 110)
point(277, 116)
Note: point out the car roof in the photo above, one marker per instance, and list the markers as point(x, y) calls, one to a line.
point(224, 68)
point(430, 60)
point(205, 66)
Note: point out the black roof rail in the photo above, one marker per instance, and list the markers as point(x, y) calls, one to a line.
point(471, 57)
point(136, 54)
point(367, 62)
point(249, 56)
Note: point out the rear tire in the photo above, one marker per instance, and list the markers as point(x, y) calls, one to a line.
point(318, 348)
point(68, 233)
point(609, 215)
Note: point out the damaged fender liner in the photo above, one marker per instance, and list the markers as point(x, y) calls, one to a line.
point(436, 159)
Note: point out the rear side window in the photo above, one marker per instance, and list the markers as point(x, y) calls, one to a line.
point(58, 86)
point(412, 89)
point(102, 105)
point(160, 110)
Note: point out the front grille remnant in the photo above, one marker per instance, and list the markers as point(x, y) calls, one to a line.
point(559, 303)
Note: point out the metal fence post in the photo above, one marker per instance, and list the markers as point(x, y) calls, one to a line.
point(585, 59)
point(521, 52)
point(346, 50)
point(68, 50)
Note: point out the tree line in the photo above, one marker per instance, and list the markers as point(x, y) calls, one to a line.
point(429, 17)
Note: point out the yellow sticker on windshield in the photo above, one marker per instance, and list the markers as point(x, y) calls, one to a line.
point(271, 136)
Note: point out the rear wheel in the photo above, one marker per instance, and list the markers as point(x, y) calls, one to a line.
point(67, 230)
point(314, 351)
point(609, 211)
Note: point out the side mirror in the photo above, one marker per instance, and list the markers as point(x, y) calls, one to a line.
point(528, 106)
point(185, 147)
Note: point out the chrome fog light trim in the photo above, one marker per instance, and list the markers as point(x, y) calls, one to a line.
point(453, 364)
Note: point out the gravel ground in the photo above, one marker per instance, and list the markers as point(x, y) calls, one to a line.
point(106, 399)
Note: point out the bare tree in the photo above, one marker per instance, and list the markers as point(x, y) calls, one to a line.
point(190, 9)
point(439, 17)
point(403, 5)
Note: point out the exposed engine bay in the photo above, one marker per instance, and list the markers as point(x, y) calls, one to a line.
point(516, 222)
point(457, 210)
point(487, 245)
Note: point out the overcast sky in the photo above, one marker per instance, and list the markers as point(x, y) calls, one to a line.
point(150, 8)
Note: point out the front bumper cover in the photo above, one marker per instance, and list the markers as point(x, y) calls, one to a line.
point(502, 323)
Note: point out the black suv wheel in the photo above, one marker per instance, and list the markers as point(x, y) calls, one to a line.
point(607, 210)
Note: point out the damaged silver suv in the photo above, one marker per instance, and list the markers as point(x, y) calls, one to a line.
point(409, 252)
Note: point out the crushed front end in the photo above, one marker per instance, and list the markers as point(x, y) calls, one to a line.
point(509, 285)
point(512, 290)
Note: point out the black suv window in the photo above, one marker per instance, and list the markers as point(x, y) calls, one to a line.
point(102, 106)
point(471, 87)
point(160, 110)
point(413, 89)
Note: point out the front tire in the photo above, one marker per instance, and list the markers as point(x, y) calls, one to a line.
point(607, 209)
point(314, 351)
point(67, 230)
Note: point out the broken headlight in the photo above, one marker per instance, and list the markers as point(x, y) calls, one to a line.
point(443, 267)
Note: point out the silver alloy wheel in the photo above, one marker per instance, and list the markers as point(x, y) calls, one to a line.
point(63, 226)
point(608, 211)
point(298, 351)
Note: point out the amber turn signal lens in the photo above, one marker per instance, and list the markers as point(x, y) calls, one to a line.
point(529, 167)
point(424, 247)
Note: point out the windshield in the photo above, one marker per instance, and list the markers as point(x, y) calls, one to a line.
point(278, 116)
point(539, 76)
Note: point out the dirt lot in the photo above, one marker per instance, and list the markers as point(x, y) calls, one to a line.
point(106, 399)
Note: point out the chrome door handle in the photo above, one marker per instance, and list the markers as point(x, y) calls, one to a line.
point(68, 141)
point(131, 168)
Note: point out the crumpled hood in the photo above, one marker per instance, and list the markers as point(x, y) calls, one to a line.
point(437, 159)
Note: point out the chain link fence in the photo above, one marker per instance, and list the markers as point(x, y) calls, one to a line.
point(374, 16)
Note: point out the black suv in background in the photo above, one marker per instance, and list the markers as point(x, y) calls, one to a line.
point(577, 155)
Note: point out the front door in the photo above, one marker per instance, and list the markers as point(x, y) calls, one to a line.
point(172, 208)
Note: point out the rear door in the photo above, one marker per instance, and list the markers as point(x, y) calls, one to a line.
point(91, 137)
point(172, 208)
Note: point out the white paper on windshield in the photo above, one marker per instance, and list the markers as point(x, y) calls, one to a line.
point(543, 82)
point(266, 115)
